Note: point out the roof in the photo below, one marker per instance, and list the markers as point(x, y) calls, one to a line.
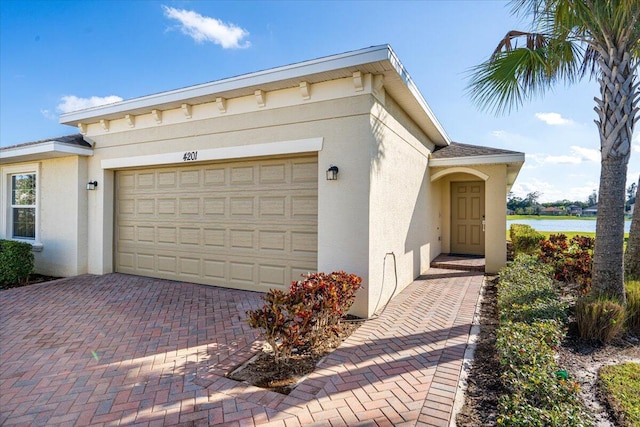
point(68, 145)
point(456, 150)
point(464, 155)
point(377, 60)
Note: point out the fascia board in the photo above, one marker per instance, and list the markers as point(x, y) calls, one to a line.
point(44, 150)
point(478, 160)
point(404, 75)
point(344, 60)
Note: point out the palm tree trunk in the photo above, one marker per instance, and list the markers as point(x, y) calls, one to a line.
point(608, 276)
point(616, 111)
point(632, 255)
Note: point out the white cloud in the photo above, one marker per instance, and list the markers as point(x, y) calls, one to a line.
point(551, 192)
point(635, 141)
point(205, 29)
point(71, 103)
point(573, 160)
point(553, 119)
point(48, 114)
point(587, 153)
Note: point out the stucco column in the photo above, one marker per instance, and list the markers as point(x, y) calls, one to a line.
point(496, 219)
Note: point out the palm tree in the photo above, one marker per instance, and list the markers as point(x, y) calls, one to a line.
point(572, 39)
point(632, 255)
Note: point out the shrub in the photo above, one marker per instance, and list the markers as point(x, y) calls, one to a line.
point(321, 300)
point(525, 238)
point(599, 318)
point(633, 305)
point(16, 262)
point(312, 308)
point(571, 260)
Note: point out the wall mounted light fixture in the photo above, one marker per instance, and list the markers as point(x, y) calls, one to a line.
point(91, 185)
point(332, 173)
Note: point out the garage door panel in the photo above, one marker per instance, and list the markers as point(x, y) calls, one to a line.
point(246, 224)
point(145, 180)
point(270, 174)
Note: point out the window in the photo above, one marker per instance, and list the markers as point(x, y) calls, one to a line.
point(23, 206)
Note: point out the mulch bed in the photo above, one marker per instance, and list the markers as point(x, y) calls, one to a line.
point(263, 371)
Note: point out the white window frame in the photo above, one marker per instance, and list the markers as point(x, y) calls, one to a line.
point(6, 219)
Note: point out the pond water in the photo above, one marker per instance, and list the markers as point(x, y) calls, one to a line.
point(580, 225)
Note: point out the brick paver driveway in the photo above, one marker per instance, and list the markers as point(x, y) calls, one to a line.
point(126, 350)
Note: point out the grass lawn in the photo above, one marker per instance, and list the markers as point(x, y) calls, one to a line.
point(621, 386)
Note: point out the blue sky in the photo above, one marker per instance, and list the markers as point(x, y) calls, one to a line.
point(56, 56)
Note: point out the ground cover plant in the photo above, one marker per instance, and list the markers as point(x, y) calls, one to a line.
point(516, 339)
point(300, 326)
point(532, 320)
point(620, 385)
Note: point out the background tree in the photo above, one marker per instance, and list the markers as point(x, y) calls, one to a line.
point(592, 199)
point(571, 39)
point(632, 255)
point(631, 196)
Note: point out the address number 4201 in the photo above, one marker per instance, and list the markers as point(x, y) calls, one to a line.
point(190, 156)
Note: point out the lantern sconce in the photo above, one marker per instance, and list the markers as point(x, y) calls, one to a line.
point(332, 173)
point(91, 185)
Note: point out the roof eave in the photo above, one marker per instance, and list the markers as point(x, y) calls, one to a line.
point(42, 151)
point(422, 113)
point(478, 160)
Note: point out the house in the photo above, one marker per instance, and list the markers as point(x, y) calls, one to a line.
point(574, 210)
point(248, 182)
point(590, 211)
point(552, 211)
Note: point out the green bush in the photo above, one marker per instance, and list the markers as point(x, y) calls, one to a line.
point(16, 262)
point(599, 318)
point(633, 305)
point(525, 238)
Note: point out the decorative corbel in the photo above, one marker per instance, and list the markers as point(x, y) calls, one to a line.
point(305, 90)
point(157, 116)
point(260, 97)
point(105, 124)
point(357, 81)
point(222, 104)
point(82, 127)
point(131, 120)
point(186, 109)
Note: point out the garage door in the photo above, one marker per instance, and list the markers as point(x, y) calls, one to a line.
point(248, 225)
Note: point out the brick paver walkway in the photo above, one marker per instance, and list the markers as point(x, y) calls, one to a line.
point(125, 350)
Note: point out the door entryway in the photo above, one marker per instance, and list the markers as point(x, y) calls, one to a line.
point(467, 218)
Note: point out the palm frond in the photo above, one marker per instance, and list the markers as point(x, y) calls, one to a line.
point(515, 74)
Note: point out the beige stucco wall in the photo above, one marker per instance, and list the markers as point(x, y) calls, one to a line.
point(61, 217)
point(383, 200)
point(343, 205)
point(495, 209)
point(403, 211)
